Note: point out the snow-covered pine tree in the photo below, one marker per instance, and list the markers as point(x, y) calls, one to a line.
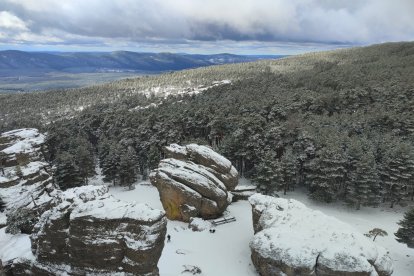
point(84, 159)
point(327, 174)
point(103, 150)
point(405, 234)
point(363, 186)
point(67, 174)
point(398, 173)
point(289, 166)
point(128, 165)
point(110, 164)
point(269, 173)
point(154, 157)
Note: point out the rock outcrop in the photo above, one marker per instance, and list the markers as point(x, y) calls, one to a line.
point(90, 232)
point(194, 181)
point(22, 157)
point(25, 178)
point(291, 239)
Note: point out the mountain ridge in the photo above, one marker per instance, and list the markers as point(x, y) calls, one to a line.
point(14, 62)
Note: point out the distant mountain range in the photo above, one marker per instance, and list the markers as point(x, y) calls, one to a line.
point(13, 62)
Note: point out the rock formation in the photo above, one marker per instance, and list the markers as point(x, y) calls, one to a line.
point(22, 157)
point(291, 239)
point(25, 181)
point(90, 232)
point(194, 181)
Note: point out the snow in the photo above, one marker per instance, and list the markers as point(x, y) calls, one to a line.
point(199, 224)
point(225, 252)
point(177, 149)
point(111, 208)
point(27, 140)
point(297, 235)
point(366, 219)
point(13, 246)
point(201, 180)
point(210, 154)
point(3, 219)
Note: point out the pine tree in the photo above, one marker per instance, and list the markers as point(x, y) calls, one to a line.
point(269, 173)
point(128, 168)
point(405, 234)
point(154, 157)
point(327, 174)
point(67, 174)
point(398, 173)
point(103, 150)
point(362, 180)
point(289, 164)
point(84, 160)
point(110, 165)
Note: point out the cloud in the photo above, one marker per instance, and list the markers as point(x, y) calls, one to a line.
point(11, 22)
point(201, 21)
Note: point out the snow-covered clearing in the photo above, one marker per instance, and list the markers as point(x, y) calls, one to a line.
point(226, 252)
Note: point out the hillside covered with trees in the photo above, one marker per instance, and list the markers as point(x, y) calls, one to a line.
point(339, 123)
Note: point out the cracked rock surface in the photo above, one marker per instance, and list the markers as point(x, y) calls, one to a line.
point(91, 233)
point(194, 181)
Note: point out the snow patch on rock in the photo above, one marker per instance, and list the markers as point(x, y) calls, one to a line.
point(294, 236)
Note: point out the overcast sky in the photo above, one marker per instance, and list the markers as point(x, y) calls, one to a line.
point(203, 26)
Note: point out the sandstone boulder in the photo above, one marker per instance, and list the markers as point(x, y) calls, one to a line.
point(194, 181)
point(291, 239)
point(90, 232)
point(211, 160)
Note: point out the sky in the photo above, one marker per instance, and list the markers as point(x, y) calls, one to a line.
point(203, 26)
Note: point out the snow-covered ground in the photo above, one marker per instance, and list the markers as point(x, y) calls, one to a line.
point(366, 219)
point(226, 252)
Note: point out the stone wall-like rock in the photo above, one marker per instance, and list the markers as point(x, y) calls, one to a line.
point(291, 239)
point(92, 232)
point(194, 181)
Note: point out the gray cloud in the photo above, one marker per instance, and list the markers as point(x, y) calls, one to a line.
point(125, 22)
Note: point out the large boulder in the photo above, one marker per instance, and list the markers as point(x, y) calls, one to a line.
point(291, 239)
point(91, 232)
point(194, 181)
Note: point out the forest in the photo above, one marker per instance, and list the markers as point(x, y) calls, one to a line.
point(339, 123)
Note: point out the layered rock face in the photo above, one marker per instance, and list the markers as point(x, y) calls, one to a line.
point(22, 158)
point(90, 232)
point(25, 178)
point(194, 181)
point(291, 239)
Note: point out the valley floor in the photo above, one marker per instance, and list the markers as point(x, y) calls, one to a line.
point(226, 252)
